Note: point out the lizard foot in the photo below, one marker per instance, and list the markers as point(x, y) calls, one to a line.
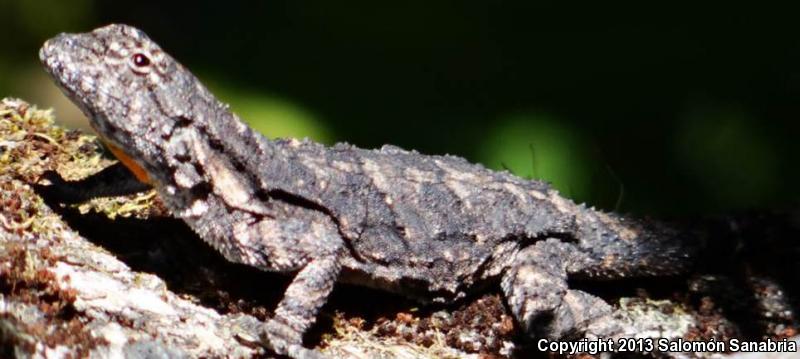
point(284, 340)
point(536, 290)
point(582, 312)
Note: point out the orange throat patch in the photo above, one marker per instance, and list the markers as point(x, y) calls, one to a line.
point(126, 160)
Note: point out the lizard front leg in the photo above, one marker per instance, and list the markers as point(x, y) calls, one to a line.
point(301, 241)
point(535, 286)
point(298, 309)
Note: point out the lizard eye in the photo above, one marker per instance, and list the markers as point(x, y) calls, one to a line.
point(140, 63)
point(140, 60)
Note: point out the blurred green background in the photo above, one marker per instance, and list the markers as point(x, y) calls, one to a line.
point(667, 111)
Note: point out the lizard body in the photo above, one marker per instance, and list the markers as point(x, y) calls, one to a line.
point(434, 228)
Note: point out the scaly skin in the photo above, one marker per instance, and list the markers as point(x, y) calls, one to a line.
point(433, 228)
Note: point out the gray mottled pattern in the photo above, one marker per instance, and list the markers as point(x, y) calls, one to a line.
point(429, 227)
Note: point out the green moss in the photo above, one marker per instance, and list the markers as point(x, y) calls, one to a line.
point(31, 144)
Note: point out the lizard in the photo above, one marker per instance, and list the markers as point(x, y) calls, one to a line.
point(434, 228)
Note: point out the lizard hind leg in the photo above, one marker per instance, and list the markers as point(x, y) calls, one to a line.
point(536, 290)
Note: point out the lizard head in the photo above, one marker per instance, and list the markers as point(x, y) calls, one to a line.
point(134, 94)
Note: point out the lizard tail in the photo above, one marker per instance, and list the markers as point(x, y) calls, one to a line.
point(628, 247)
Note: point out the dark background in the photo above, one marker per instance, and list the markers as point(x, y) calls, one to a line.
point(653, 110)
